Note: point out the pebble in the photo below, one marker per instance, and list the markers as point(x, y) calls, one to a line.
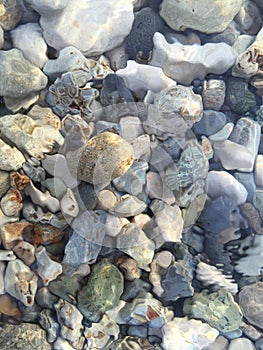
point(213, 94)
point(10, 157)
point(23, 36)
point(211, 122)
point(105, 157)
point(4, 182)
point(250, 300)
point(204, 306)
point(180, 15)
point(47, 268)
point(111, 27)
point(223, 134)
point(199, 60)
point(220, 183)
point(26, 336)
point(241, 344)
point(10, 15)
point(96, 297)
point(258, 170)
point(248, 18)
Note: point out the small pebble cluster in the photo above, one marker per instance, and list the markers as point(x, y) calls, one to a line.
point(131, 175)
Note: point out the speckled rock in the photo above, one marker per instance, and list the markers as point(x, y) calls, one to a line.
point(238, 97)
point(213, 94)
point(211, 307)
point(139, 42)
point(10, 14)
point(105, 157)
point(102, 292)
point(20, 77)
point(10, 157)
point(25, 336)
point(182, 14)
point(4, 182)
point(250, 300)
point(110, 21)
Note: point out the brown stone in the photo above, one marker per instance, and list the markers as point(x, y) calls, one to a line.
point(8, 306)
point(12, 233)
point(44, 234)
point(19, 181)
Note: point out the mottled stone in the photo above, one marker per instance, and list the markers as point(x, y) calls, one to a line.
point(197, 60)
point(192, 166)
point(10, 14)
point(49, 324)
point(25, 251)
point(66, 287)
point(184, 334)
point(11, 233)
point(180, 15)
point(96, 297)
point(238, 97)
point(211, 307)
point(105, 157)
point(10, 157)
point(25, 336)
point(20, 77)
point(12, 202)
point(129, 267)
point(128, 205)
point(8, 306)
point(213, 94)
point(144, 309)
point(45, 299)
point(4, 182)
point(133, 241)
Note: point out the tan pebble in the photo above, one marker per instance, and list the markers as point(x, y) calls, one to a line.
point(105, 157)
point(8, 306)
point(25, 251)
point(140, 220)
point(106, 199)
point(44, 234)
point(129, 267)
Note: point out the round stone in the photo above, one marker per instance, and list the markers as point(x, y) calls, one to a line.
point(241, 344)
point(105, 157)
point(251, 303)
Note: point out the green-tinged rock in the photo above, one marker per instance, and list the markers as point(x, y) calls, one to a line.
point(218, 309)
point(66, 287)
point(102, 292)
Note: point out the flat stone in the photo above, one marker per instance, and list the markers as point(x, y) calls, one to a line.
point(182, 14)
point(241, 344)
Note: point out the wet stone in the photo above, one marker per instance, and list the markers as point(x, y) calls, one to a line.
point(25, 336)
point(96, 297)
point(211, 307)
point(66, 287)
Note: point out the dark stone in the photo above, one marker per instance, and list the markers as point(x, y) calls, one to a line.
point(210, 123)
point(259, 344)
point(66, 287)
point(238, 97)
point(114, 91)
point(216, 215)
point(132, 289)
point(139, 42)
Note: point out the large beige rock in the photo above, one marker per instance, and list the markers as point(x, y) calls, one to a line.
point(206, 16)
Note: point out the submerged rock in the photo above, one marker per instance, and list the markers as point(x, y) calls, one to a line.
point(102, 292)
point(211, 308)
